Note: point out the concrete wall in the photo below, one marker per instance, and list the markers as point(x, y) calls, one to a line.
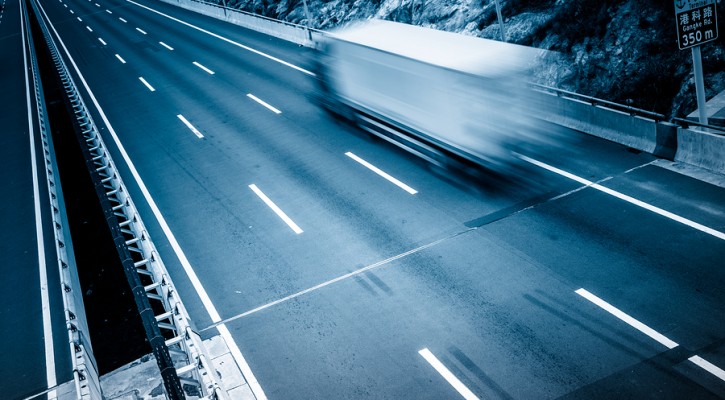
point(637, 132)
point(702, 149)
point(284, 30)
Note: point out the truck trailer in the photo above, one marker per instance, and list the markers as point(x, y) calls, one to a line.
point(438, 94)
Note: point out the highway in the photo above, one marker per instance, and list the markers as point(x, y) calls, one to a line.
point(342, 267)
point(34, 348)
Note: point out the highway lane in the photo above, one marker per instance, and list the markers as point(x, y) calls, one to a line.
point(495, 304)
point(34, 348)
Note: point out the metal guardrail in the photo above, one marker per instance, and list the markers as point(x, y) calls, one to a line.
point(85, 370)
point(295, 33)
point(277, 21)
point(686, 123)
point(600, 102)
point(166, 321)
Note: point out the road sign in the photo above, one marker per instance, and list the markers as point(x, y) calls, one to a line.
point(696, 22)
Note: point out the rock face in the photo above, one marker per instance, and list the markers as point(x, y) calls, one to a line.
point(619, 50)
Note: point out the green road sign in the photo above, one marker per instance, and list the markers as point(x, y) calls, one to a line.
point(696, 22)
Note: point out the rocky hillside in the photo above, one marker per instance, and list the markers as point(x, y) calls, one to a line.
point(620, 50)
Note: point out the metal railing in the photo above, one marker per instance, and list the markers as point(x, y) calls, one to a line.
point(179, 350)
point(657, 117)
point(686, 123)
point(289, 31)
point(278, 21)
point(85, 370)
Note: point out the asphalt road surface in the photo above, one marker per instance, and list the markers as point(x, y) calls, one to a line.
point(335, 282)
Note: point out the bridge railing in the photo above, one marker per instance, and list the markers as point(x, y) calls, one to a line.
point(85, 370)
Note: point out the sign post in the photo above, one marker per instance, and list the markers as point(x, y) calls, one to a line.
point(500, 21)
point(696, 24)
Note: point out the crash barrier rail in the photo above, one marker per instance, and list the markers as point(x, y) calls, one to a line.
point(687, 123)
point(633, 111)
point(85, 370)
point(683, 140)
point(166, 322)
point(633, 127)
point(294, 33)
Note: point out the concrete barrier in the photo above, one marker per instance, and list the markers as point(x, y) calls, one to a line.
point(702, 149)
point(641, 133)
point(284, 30)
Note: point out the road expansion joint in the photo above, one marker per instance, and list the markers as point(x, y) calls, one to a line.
point(352, 274)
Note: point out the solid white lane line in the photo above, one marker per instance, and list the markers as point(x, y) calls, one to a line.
point(89, 28)
point(122, 20)
point(208, 71)
point(167, 46)
point(120, 59)
point(447, 375)
point(275, 59)
point(141, 30)
point(102, 42)
point(629, 199)
point(193, 277)
point(50, 375)
point(382, 173)
point(151, 88)
point(276, 209)
point(190, 126)
point(628, 319)
point(708, 366)
point(264, 103)
point(242, 363)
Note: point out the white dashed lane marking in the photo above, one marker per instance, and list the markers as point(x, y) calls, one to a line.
point(207, 70)
point(190, 126)
point(265, 104)
point(151, 88)
point(382, 173)
point(281, 214)
point(447, 375)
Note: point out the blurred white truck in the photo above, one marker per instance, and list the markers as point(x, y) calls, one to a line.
point(438, 94)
